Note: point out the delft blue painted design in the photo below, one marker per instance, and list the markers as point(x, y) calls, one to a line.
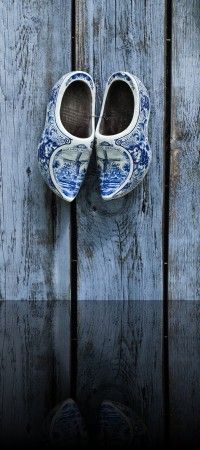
point(114, 167)
point(120, 75)
point(136, 145)
point(53, 138)
point(136, 142)
point(83, 76)
point(69, 168)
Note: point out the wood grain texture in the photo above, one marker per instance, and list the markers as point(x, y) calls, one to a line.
point(184, 373)
point(120, 242)
point(35, 50)
point(184, 231)
point(121, 360)
point(34, 368)
point(184, 248)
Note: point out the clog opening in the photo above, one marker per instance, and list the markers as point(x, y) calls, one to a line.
point(76, 109)
point(118, 110)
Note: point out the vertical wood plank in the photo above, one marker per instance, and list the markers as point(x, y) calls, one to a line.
point(184, 249)
point(120, 359)
point(34, 368)
point(120, 242)
point(184, 364)
point(35, 50)
point(121, 255)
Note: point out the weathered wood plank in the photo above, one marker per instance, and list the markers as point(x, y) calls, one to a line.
point(35, 50)
point(121, 255)
point(184, 231)
point(34, 368)
point(119, 358)
point(120, 242)
point(184, 364)
point(184, 250)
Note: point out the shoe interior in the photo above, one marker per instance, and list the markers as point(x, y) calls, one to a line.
point(76, 109)
point(118, 110)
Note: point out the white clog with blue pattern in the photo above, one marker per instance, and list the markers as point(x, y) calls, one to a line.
point(67, 140)
point(123, 151)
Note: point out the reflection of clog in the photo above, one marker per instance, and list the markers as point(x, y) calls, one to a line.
point(65, 427)
point(123, 151)
point(67, 140)
point(120, 427)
